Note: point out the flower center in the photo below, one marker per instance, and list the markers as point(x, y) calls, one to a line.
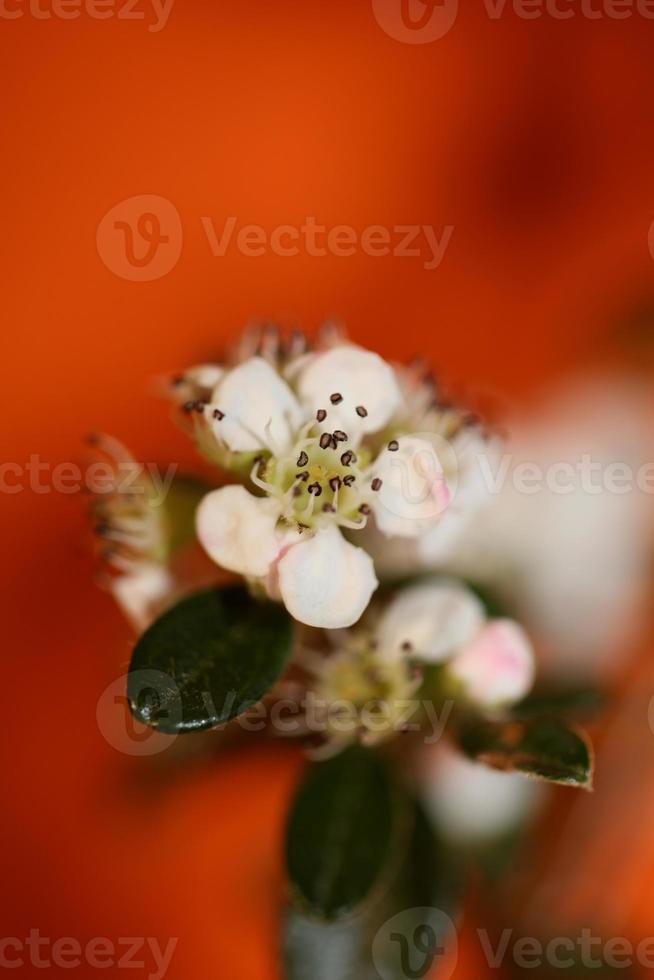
point(321, 480)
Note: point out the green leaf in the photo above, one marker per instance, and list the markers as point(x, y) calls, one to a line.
point(341, 833)
point(543, 748)
point(366, 946)
point(560, 702)
point(207, 660)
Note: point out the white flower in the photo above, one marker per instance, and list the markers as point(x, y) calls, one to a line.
point(431, 621)
point(491, 661)
point(497, 666)
point(315, 452)
point(469, 801)
point(144, 540)
point(358, 694)
point(143, 593)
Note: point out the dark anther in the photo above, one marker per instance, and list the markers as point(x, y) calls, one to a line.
point(325, 440)
point(347, 457)
point(199, 406)
point(297, 491)
point(339, 435)
point(302, 459)
point(329, 508)
point(321, 415)
point(302, 476)
point(217, 414)
point(335, 483)
point(407, 647)
point(376, 483)
point(393, 445)
point(315, 489)
point(364, 509)
point(349, 480)
point(336, 398)
point(361, 411)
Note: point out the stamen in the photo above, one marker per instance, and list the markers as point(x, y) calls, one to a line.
point(365, 509)
point(321, 415)
point(325, 440)
point(349, 479)
point(361, 411)
point(376, 484)
point(393, 446)
point(315, 488)
point(329, 509)
point(339, 435)
point(302, 476)
point(336, 398)
point(407, 647)
point(335, 483)
point(302, 459)
point(218, 415)
point(353, 525)
point(347, 457)
point(258, 482)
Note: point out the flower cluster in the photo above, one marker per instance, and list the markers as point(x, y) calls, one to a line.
point(326, 443)
point(377, 668)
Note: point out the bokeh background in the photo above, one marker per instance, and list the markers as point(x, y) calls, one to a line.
point(532, 138)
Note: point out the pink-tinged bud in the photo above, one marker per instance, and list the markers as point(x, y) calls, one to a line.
point(497, 666)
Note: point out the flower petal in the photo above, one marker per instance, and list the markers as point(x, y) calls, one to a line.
point(238, 530)
point(414, 493)
point(436, 618)
point(497, 667)
point(143, 594)
point(325, 581)
point(259, 409)
point(361, 378)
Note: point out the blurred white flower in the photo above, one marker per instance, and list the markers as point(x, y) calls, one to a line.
point(469, 801)
point(490, 661)
point(358, 693)
point(574, 563)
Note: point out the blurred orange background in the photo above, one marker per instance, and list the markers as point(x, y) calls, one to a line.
point(533, 139)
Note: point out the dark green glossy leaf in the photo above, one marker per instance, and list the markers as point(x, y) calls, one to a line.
point(207, 660)
point(340, 834)
point(369, 945)
point(574, 702)
point(543, 748)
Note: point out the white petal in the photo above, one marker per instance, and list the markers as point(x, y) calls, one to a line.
point(437, 618)
point(414, 493)
point(143, 594)
point(260, 410)
point(497, 667)
point(205, 375)
point(470, 801)
point(326, 581)
point(237, 530)
point(361, 378)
